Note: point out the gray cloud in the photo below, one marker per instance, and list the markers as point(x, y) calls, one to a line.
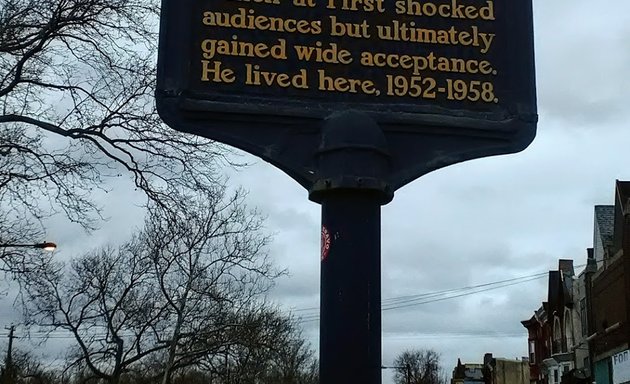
point(582, 60)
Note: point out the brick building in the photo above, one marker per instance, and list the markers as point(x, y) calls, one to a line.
point(609, 331)
point(552, 336)
point(581, 333)
point(539, 344)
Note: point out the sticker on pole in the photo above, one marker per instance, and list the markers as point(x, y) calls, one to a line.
point(325, 243)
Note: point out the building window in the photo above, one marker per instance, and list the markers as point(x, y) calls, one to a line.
point(555, 376)
point(568, 329)
point(557, 336)
point(583, 317)
point(532, 351)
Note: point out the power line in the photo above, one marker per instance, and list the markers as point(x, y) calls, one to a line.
point(431, 297)
point(64, 335)
point(436, 335)
point(409, 298)
point(386, 336)
point(467, 292)
point(461, 294)
point(389, 304)
point(413, 300)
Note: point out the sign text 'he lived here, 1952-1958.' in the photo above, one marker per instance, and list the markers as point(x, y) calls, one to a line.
point(382, 51)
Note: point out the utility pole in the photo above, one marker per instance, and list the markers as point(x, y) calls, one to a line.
point(8, 374)
point(10, 349)
point(227, 366)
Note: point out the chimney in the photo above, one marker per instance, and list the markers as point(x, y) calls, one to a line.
point(566, 267)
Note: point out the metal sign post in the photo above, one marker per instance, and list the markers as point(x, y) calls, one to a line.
point(352, 99)
point(353, 160)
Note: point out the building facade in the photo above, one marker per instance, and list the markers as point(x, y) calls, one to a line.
point(505, 371)
point(609, 331)
point(469, 373)
point(539, 344)
point(581, 333)
point(492, 371)
point(557, 337)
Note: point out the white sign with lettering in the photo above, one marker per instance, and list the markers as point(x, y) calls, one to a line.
point(621, 367)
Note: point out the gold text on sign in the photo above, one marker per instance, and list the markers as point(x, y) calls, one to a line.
point(357, 5)
point(256, 76)
point(441, 51)
point(212, 48)
point(410, 32)
point(454, 9)
point(248, 19)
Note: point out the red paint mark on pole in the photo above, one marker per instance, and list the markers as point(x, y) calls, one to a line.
point(325, 243)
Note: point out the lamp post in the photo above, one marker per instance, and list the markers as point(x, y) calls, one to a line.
point(46, 246)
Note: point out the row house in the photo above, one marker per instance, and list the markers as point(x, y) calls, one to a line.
point(492, 371)
point(581, 334)
point(556, 347)
point(469, 373)
point(609, 330)
point(539, 344)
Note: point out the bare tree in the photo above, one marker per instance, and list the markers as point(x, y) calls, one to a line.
point(28, 369)
point(105, 301)
point(265, 348)
point(168, 298)
point(270, 349)
point(293, 360)
point(77, 109)
point(14, 224)
point(421, 366)
point(209, 259)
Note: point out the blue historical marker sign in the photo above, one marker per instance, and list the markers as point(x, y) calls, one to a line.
point(445, 80)
point(353, 99)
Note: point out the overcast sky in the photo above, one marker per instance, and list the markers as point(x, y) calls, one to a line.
point(477, 222)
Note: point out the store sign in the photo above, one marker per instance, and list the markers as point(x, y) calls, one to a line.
point(621, 367)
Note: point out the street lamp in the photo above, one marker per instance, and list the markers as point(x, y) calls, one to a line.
point(46, 246)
